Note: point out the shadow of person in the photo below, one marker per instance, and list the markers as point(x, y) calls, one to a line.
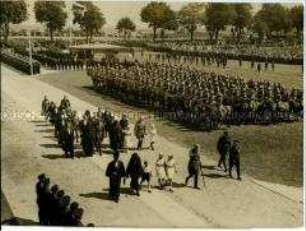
point(97, 195)
point(210, 167)
point(20, 221)
point(54, 156)
point(45, 130)
point(215, 175)
point(50, 145)
point(178, 185)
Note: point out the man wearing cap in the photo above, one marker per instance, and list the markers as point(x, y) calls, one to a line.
point(223, 146)
point(140, 132)
point(234, 159)
point(194, 165)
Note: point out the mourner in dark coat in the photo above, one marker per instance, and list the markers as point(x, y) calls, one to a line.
point(115, 171)
point(40, 187)
point(88, 134)
point(194, 165)
point(134, 170)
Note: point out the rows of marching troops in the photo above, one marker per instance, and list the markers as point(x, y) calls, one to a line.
point(59, 61)
point(197, 97)
point(19, 62)
point(55, 208)
point(284, 55)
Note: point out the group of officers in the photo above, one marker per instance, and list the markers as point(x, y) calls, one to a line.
point(55, 208)
point(194, 97)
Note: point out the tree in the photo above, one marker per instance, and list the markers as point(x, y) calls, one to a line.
point(276, 18)
point(11, 12)
point(241, 17)
point(52, 14)
point(89, 17)
point(218, 16)
point(125, 25)
point(296, 17)
point(260, 27)
point(159, 15)
point(190, 16)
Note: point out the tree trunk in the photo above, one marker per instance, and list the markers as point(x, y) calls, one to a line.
point(154, 33)
point(51, 34)
point(6, 31)
point(191, 35)
point(216, 36)
point(125, 33)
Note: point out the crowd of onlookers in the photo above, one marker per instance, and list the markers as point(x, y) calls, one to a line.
point(55, 208)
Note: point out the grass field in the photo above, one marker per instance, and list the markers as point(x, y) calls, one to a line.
point(271, 153)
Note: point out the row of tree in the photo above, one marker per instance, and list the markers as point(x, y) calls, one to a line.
point(271, 19)
point(215, 17)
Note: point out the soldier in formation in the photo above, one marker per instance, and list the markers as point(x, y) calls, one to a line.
point(196, 98)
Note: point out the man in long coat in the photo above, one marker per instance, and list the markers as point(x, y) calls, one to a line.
point(223, 146)
point(194, 165)
point(115, 171)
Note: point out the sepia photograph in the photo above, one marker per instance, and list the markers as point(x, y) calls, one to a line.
point(152, 114)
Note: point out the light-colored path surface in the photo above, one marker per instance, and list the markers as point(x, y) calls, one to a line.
point(28, 148)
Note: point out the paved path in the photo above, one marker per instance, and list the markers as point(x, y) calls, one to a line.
point(28, 148)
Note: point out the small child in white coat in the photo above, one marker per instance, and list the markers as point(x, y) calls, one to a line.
point(147, 175)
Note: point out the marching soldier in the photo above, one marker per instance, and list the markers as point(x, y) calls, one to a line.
point(234, 159)
point(140, 132)
point(223, 146)
point(44, 106)
point(194, 166)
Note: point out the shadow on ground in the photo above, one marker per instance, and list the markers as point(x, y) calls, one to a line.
point(20, 222)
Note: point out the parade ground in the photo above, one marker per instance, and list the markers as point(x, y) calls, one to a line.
point(269, 195)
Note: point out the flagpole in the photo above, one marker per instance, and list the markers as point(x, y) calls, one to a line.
point(30, 45)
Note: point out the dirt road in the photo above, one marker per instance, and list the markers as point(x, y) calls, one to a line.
point(28, 149)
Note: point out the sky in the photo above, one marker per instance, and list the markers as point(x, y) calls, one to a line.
point(112, 10)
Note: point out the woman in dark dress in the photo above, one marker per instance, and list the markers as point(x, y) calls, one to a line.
point(134, 170)
point(115, 171)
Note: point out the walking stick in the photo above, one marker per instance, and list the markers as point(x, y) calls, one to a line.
point(203, 177)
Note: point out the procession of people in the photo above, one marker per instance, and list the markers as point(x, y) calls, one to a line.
point(91, 130)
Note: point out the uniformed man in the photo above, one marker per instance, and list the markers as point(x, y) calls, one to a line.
point(223, 146)
point(44, 106)
point(194, 165)
point(234, 159)
point(140, 132)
